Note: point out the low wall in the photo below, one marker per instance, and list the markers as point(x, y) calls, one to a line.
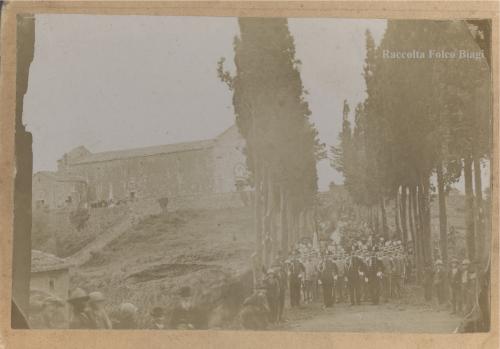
point(210, 201)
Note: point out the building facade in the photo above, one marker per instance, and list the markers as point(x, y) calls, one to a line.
point(205, 167)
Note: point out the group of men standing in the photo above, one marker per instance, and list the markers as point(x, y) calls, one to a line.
point(460, 279)
point(334, 277)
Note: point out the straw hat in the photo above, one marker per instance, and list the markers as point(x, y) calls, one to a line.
point(96, 297)
point(78, 295)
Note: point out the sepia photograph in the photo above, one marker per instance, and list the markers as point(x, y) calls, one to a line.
point(253, 174)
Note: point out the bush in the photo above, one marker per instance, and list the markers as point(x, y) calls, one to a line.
point(79, 218)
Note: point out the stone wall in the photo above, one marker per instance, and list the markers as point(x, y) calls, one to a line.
point(210, 201)
point(172, 174)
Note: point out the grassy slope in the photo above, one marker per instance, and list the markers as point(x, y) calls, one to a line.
point(150, 262)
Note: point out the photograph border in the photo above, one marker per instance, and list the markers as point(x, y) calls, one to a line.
point(52, 339)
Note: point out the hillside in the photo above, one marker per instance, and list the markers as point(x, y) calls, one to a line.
point(208, 250)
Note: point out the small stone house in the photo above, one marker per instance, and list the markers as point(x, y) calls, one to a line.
point(49, 274)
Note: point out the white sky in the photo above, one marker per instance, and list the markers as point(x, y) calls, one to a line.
point(117, 82)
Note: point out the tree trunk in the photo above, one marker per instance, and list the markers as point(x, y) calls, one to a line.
point(469, 210)
point(377, 221)
point(417, 227)
point(396, 215)
point(443, 224)
point(284, 222)
point(266, 221)
point(424, 201)
point(258, 216)
point(370, 217)
point(292, 227)
point(404, 220)
point(384, 218)
point(482, 251)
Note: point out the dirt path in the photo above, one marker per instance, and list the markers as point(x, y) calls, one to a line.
point(371, 318)
point(100, 242)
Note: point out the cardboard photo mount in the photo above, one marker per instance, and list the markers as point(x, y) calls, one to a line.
point(11, 89)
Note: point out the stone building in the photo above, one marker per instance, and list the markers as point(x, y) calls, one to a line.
point(199, 168)
point(49, 274)
point(54, 190)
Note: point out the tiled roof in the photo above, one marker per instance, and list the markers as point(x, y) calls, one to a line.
point(42, 261)
point(146, 151)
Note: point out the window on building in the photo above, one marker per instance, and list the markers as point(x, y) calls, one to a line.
point(51, 284)
point(132, 194)
point(69, 199)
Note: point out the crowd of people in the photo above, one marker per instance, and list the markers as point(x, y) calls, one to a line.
point(369, 269)
point(332, 276)
point(87, 311)
point(353, 270)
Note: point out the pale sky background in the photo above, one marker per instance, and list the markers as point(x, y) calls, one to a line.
point(118, 82)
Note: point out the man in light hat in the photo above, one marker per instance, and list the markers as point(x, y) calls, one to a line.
point(80, 319)
point(340, 282)
point(468, 281)
point(272, 285)
point(310, 279)
point(127, 317)
point(296, 269)
point(440, 282)
point(97, 312)
point(455, 278)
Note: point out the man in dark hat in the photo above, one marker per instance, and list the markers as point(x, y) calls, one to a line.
point(157, 320)
point(354, 267)
point(440, 282)
point(255, 312)
point(80, 318)
point(375, 270)
point(327, 271)
point(296, 268)
point(387, 279)
point(280, 273)
point(339, 283)
point(272, 285)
